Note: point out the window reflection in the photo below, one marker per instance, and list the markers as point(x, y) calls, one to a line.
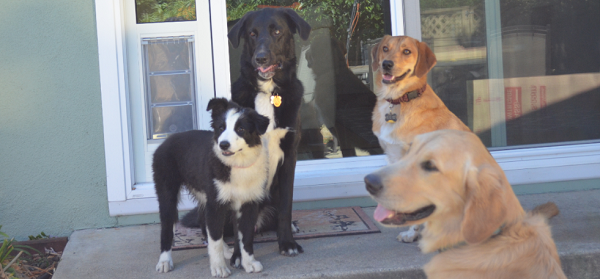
point(333, 67)
point(542, 87)
point(169, 85)
point(148, 11)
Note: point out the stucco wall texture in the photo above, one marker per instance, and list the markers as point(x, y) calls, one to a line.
point(52, 172)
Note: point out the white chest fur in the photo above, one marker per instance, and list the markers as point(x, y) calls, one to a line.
point(272, 141)
point(251, 183)
point(386, 132)
point(393, 146)
point(262, 102)
point(245, 184)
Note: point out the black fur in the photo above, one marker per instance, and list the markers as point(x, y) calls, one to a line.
point(341, 99)
point(264, 48)
point(249, 123)
point(189, 159)
point(184, 158)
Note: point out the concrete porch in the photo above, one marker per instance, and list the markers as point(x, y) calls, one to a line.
point(132, 252)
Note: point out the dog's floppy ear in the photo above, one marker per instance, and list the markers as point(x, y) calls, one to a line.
point(217, 105)
point(426, 59)
point(235, 34)
point(261, 122)
point(295, 22)
point(374, 52)
point(374, 58)
point(485, 208)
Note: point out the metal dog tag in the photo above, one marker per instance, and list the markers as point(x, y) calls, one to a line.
point(390, 117)
point(276, 100)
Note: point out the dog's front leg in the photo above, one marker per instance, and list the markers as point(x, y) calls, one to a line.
point(411, 235)
point(244, 227)
point(287, 244)
point(395, 150)
point(216, 213)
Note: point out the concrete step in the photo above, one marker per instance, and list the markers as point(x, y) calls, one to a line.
point(132, 252)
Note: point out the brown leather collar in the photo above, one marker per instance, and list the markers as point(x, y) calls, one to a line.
point(408, 96)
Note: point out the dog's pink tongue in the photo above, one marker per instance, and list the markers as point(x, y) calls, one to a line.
point(388, 77)
point(382, 213)
point(264, 70)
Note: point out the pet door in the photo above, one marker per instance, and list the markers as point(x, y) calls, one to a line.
point(169, 85)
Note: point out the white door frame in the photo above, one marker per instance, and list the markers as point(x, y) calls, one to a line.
point(315, 179)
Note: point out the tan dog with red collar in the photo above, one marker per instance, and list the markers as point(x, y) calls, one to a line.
point(406, 105)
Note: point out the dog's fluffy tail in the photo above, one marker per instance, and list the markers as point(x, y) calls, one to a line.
point(277, 134)
point(195, 219)
point(547, 210)
point(191, 219)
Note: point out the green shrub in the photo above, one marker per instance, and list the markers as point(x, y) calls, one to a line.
point(8, 246)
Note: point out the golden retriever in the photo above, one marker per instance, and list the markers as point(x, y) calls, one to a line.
point(406, 106)
point(449, 182)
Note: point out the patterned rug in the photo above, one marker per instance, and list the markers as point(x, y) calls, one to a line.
point(312, 223)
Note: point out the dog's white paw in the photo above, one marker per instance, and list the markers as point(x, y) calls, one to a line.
point(290, 252)
point(251, 265)
point(217, 251)
point(163, 267)
point(290, 248)
point(237, 263)
point(295, 228)
point(227, 252)
point(165, 262)
point(411, 235)
point(219, 270)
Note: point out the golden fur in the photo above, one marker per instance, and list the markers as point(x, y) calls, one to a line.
point(453, 171)
point(421, 115)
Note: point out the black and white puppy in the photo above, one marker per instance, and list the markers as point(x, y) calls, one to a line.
point(268, 68)
point(229, 171)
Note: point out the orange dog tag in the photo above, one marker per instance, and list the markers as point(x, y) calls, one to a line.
point(276, 100)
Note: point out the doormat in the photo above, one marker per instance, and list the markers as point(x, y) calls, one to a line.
point(312, 223)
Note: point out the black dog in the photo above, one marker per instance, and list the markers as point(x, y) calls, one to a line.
point(268, 68)
point(341, 95)
point(229, 171)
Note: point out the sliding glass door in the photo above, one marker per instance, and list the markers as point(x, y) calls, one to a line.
point(520, 73)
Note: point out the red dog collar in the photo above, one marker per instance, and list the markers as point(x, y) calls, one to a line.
point(408, 96)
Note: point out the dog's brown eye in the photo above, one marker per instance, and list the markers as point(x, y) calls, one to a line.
point(252, 34)
point(407, 52)
point(429, 166)
point(222, 128)
point(277, 32)
point(240, 130)
point(385, 49)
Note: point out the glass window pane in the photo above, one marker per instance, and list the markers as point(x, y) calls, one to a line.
point(148, 11)
point(170, 88)
point(168, 55)
point(171, 119)
point(518, 72)
point(333, 66)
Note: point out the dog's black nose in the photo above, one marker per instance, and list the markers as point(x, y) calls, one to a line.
point(224, 145)
point(261, 58)
point(387, 64)
point(373, 184)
